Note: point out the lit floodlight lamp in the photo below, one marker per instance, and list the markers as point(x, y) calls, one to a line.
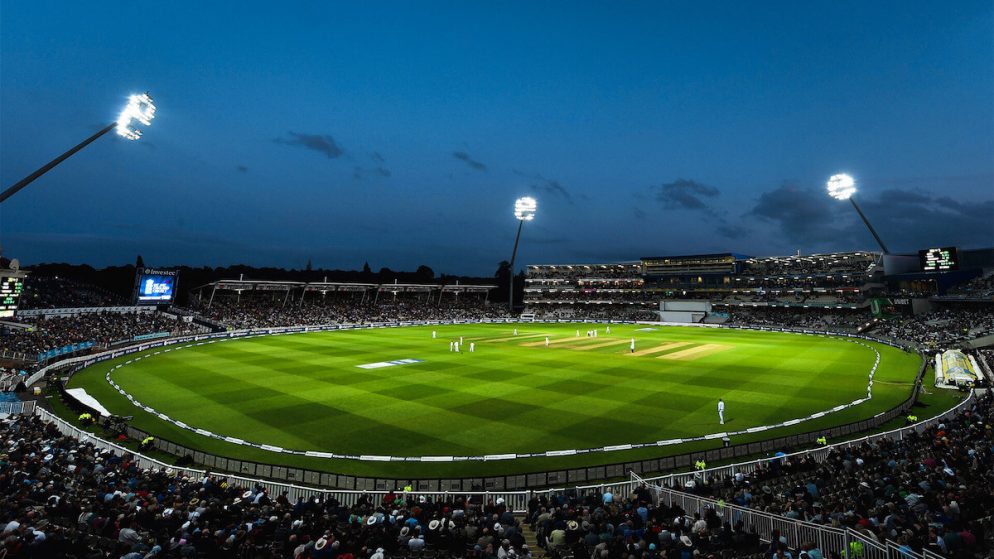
point(841, 186)
point(524, 208)
point(140, 108)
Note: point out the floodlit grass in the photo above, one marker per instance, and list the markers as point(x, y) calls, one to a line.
point(513, 395)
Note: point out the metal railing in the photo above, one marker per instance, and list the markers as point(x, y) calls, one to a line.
point(554, 478)
point(14, 408)
point(796, 533)
point(818, 454)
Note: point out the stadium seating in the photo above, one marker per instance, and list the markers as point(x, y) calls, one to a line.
point(931, 490)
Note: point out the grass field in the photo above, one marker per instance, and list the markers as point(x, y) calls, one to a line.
point(512, 395)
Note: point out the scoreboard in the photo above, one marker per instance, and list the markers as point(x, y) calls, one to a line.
point(155, 286)
point(938, 259)
point(10, 293)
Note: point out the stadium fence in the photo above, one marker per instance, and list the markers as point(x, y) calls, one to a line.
point(15, 408)
point(556, 478)
point(766, 524)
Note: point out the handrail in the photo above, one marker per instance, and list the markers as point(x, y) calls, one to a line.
point(820, 452)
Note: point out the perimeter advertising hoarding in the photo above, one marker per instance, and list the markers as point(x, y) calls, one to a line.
point(155, 286)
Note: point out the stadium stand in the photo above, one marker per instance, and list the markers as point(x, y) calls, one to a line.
point(44, 292)
point(234, 307)
point(931, 490)
point(102, 328)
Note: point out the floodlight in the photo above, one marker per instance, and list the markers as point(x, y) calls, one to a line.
point(841, 186)
point(524, 208)
point(140, 108)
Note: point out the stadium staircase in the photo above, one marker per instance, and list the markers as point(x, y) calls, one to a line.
point(531, 538)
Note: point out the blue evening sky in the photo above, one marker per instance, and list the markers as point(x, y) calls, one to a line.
point(401, 132)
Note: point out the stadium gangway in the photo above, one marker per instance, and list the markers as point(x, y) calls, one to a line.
point(771, 526)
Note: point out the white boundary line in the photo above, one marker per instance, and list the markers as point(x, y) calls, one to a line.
point(491, 457)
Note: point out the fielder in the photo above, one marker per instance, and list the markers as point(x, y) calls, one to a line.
point(472, 347)
point(633, 345)
point(433, 334)
point(457, 347)
point(515, 331)
point(450, 345)
point(608, 329)
point(547, 341)
point(721, 411)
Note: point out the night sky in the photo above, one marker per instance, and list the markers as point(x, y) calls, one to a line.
point(401, 133)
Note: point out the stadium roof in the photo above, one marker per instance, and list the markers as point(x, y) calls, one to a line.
point(272, 285)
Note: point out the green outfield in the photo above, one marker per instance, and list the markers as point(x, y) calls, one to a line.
point(337, 392)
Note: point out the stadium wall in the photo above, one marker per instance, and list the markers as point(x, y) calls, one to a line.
point(517, 499)
point(497, 483)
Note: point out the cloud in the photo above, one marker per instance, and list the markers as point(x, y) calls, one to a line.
point(802, 214)
point(639, 213)
point(360, 173)
point(685, 194)
point(376, 157)
point(906, 219)
point(242, 168)
point(912, 219)
point(465, 157)
point(732, 231)
point(538, 183)
point(317, 142)
point(688, 194)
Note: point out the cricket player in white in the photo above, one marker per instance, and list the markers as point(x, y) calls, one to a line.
point(457, 347)
point(633, 345)
point(433, 334)
point(721, 411)
point(577, 332)
point(608, 329)
point(515, 331)
point(460, 339)
point(450, 345)
point(547, 341)
point(472, 347)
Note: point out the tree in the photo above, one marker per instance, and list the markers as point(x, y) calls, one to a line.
point(425, 274)
point(503, 276)
point(309, 267)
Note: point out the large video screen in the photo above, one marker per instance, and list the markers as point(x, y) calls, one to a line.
point(155, 287)
point(10, 294)
point(939, 259)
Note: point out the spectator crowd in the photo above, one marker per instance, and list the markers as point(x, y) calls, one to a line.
point(102, 328)
point(930, 490)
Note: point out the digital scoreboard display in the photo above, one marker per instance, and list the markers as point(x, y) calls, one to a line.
point(938, 259)
point(10, 294)
point(155, 287)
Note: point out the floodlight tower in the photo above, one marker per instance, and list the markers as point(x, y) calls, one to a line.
point(842, 187)
point(139, 108)
point(524, 210)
